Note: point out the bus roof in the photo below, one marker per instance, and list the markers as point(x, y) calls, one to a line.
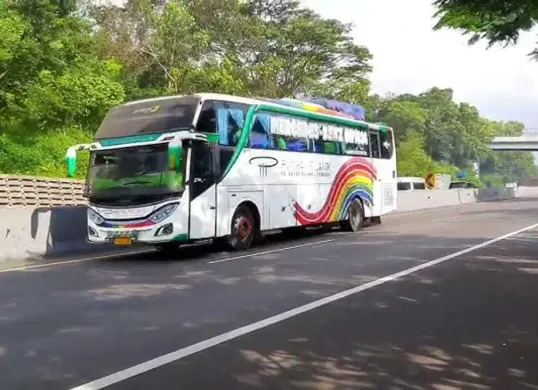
point(256, 101)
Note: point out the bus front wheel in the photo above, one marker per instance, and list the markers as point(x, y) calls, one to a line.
point(355, 220)
point(244, 229)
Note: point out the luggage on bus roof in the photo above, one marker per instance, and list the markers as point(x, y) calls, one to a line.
point(328, 106)
point(354, 110)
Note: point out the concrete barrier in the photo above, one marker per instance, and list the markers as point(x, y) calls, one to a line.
point(426, 199)
point(527, 192)
point(29, 232)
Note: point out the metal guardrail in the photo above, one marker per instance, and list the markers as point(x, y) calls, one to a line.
point(40, 191)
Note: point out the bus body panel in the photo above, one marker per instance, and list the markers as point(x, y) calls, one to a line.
point(203, 191)
point(224, 213)
point(280, 206)
point(287, 187)
point(319, 186)
point(203, 215)
point(389, 187)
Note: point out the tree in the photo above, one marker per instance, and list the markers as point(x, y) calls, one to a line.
point(269, 48)
point(495, 21)
point(505, 167)
point(64, 63)
point(433, 133)
point(54, 90)
point(36, 36)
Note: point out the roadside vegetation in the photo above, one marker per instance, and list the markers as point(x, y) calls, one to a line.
point(64, 63)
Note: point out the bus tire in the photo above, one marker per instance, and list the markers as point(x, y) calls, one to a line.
point(355, 220)
point(244, 229)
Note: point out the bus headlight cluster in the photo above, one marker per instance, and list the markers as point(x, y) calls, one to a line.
point(163, 213)
point(95, 218)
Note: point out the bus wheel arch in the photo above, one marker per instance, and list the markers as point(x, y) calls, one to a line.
point(354, 221)
point(245, 226)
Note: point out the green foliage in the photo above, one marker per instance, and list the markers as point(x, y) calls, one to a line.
point(54, 90)
point(433, 133)
point(495, 21)
point(412, 159)
point(80, 96)
point(40, 154)
point(63, 67)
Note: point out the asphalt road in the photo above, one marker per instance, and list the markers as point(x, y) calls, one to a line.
point(467, 321)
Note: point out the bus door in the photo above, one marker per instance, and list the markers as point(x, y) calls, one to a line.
point(202, 191)
point(384, 159)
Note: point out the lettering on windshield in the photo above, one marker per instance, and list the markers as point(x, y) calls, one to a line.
point(147, 110)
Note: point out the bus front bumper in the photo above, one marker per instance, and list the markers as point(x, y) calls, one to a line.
point(165, 232)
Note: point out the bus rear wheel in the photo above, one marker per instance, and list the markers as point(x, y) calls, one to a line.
point(355, 221)
point(244, 229)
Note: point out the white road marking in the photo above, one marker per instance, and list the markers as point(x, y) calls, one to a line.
point(28, 267)
point(209, 343)
point(270, 251)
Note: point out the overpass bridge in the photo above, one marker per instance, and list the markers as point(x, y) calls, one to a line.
point(528, 141)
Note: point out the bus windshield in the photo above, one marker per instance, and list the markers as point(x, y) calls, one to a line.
point(134, 172)
point(149, 117)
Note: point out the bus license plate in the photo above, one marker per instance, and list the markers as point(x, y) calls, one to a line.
point(123, 241)
point(123, 237)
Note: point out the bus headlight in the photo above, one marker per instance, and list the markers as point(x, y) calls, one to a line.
point(163, 213)
point(95, 218)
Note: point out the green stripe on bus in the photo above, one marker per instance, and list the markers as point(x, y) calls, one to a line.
point(129, 140)
point(243, 139)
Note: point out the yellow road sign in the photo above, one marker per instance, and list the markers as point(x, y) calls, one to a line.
point(430, 180)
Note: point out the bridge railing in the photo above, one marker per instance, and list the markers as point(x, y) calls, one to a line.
point(530, 132)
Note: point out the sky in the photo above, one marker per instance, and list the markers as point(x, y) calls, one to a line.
point(409, 57)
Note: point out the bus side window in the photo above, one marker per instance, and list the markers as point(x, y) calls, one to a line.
point(207, 121)
point(223, 118)
point(202, 168)
point(387, 146)
point(259, 136)
point(202, 161)
point(286, 142)
point(330, 147)
point(231, 120)
point(374, 143)
point(295, 144)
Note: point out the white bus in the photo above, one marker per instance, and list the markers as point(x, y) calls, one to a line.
point(178, 169)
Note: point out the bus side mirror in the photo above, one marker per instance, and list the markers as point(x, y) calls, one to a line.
point(71, 161)
point(174, 154)
point(71, 158)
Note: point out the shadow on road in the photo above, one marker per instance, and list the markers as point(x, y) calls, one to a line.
point(468, 324)
point(471, 323)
